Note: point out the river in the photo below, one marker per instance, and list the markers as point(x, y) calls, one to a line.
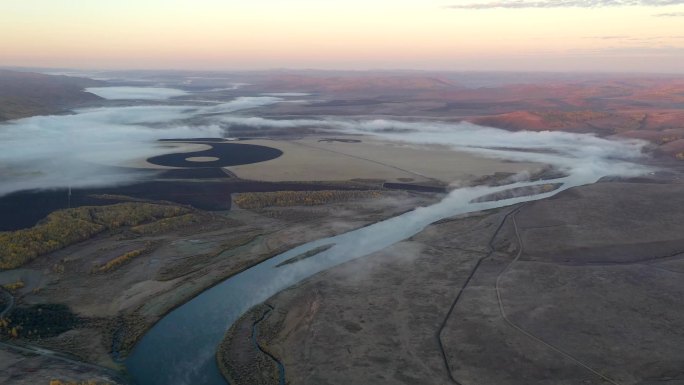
point(180, 349)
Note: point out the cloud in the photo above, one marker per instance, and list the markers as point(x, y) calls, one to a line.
point(286, 94)
point(669, 14)
point(145, 93)
point(56, 151)
point(585, 158)
point(643, 50)
point(609, 37)
point(241, 103)
point(568, 151)
point(77, 149)
point(521, 4)
point(232, 87)
point(259, 122)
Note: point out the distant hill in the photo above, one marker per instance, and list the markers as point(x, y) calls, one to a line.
point(24, 94)
point(364, 84)
point(643, 108)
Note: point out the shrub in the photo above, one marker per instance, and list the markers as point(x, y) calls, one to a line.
point(12, 287)
point(120, 260)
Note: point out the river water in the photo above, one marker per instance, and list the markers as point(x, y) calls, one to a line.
point(180, 349)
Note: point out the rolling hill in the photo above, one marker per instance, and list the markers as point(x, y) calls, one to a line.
point(24, 94)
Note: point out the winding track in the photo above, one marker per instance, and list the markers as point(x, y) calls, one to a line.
point(510, 323)
point(502, 311)
point(462, 289)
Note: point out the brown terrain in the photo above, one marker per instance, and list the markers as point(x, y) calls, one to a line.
point(582, 288)
point(24, 94)
point(354, 84)
point(98, 296)
point(631, 106)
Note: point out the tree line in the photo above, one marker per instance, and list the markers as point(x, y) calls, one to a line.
point(300, 198)
point(67, 227)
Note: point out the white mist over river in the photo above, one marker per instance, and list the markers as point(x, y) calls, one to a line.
point(43, 152)
point(181, 348)
point(56, 151)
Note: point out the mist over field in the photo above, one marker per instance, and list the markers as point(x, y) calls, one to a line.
point(146, 93)
point(58, 151)
point(342, 192)
point(44, 152)
point(569, 151)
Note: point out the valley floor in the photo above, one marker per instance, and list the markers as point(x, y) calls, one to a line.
point(581, 288)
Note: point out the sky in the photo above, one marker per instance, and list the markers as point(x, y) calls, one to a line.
point(508, 35)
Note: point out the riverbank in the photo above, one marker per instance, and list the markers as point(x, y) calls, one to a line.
point(439, 308)
point(363, 308)
point(29, 365)
point(178, 264)
point(168, 266)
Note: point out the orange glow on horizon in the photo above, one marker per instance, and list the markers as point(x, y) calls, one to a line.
point(210, 34)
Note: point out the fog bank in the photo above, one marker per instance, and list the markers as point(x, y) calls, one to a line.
point(69, 150)
point(55, 151)
point(144, 93)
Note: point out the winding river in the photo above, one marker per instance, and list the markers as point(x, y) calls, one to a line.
point(180, 348)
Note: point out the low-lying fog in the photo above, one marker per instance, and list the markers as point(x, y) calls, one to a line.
point(43, 152)
point(147, 93)
point(567, 151)
point(190, 357)
point(69, 150)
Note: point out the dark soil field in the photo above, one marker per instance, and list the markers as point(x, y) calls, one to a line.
point(228, 154)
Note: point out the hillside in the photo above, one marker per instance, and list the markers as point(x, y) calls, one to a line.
point(358, 84)
point(24, 94)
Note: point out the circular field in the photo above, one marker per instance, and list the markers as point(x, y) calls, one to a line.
point(220, 155)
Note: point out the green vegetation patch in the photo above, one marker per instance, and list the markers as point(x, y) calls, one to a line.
point(67, 227)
